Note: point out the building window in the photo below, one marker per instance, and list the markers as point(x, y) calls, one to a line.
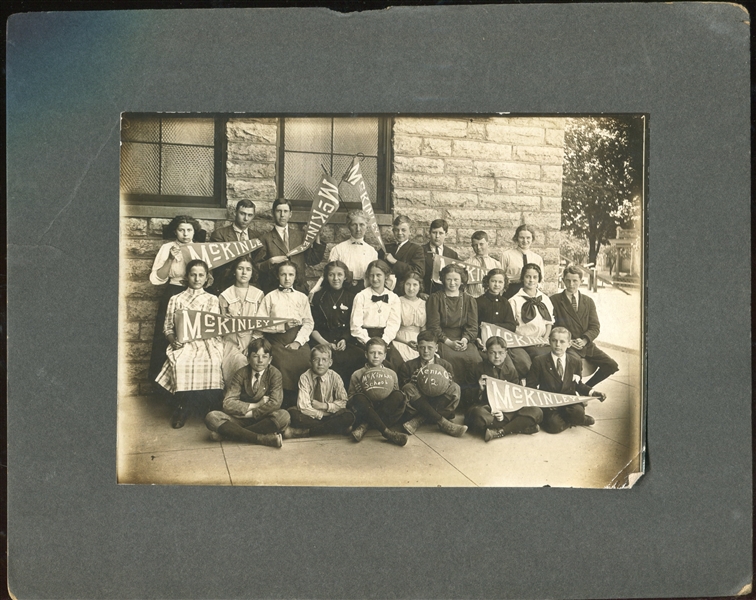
point(311, 146)
point(172, 160)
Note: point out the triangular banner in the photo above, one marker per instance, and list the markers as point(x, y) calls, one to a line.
point(475, 273)
point(323, 208)
point(354, 177)
point(508, 397)
point(216, 254)
point(200, 325)
point(513, 340)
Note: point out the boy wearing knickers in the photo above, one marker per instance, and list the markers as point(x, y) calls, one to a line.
point(480, 418)
point(321, 403)
point(435, 405)
point(374, 396)
point(252, 402)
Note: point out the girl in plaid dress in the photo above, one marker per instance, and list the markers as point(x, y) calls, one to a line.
point(192, 371)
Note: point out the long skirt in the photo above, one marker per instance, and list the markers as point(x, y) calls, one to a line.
point(291, 363)
point(159, 341)
point(463, 363)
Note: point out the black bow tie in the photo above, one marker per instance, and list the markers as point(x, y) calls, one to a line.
point(533, 305)
point(283, 289)
point(383, 298)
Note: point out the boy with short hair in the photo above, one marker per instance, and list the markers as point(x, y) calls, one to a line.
point(480, 418)
point(380, 414)
point(252, 402)
point(322, 400)
point(479, 243)
point(403, 255)
point(559, 372)
point(436, 409)
point(435, 247)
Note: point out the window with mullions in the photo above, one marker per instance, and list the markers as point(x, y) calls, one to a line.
point(171, 160)
point(310, 146)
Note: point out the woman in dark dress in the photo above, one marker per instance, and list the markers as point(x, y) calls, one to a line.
point(452, 315)
point(332, 311)
point(494, 308)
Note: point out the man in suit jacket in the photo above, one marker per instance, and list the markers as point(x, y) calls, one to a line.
point(277, 243)
point(236, 232)
point(576, 312)
point(559, 372)
point(252, 410)
point(403, 256)
point(438, 230)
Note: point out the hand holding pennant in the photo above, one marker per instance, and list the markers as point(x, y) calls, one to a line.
point(354, 177)
point(508, 397)
point(513, 340)
point(475, 273)
point(323, 208)
point(200, 325)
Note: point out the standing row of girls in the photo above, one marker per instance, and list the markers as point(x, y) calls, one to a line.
point(344, 312)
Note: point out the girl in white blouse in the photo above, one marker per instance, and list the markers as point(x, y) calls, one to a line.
point(532, 309)
point(413, 317)
point(240, 300)
point(291, 354)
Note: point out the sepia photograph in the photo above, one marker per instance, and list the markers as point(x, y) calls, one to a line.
point(381, 300)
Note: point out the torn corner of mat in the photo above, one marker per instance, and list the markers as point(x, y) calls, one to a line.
point(746, 589)
point(629, 475)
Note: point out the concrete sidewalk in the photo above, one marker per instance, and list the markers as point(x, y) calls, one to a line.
point(602, 455)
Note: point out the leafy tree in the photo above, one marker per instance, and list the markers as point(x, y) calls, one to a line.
point(601, 182)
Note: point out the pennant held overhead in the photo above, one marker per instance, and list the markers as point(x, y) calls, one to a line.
point(508, 397)
point(323, 208)
point(475, 273)
point(354, 177)
point(513, 340)
point(216, 254)
point(200, 325)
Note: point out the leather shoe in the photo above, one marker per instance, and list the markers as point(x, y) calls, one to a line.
point(269, 439)
point(400, 439)
point(294, 432)
point(588, 420)
point(413, 425)
point(178, 418)
point(452, 429)
point(359, 431)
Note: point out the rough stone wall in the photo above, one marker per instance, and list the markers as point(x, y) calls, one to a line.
point(489, 174)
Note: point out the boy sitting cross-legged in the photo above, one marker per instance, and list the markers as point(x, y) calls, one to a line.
point(560, 372)
point(431, 392)
point(252, 402)
point(374, 396)
point(322, 400)
point(498, 424)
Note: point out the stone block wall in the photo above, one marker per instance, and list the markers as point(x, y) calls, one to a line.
point(491, 174)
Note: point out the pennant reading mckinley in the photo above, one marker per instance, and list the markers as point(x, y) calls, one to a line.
point(508, 397)
point(513, 340)
point(216, 254)
point(354, 177)
point(323, 208)
point(475, 273)
point(200, 325)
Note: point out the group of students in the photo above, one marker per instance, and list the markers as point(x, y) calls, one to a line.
point(374, 316)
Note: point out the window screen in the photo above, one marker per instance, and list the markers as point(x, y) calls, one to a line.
point(314, 145)
point(168, 160)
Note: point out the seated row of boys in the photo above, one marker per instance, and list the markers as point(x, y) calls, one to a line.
point(417, 395)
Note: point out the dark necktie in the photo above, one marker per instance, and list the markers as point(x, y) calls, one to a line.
point(560, 369)
point(574, 302)
point(524, 260)
point(438, 250)
point(318, 393)
point(383, 298)
point(533, 305)
point(255, 383)
point(283, 289)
